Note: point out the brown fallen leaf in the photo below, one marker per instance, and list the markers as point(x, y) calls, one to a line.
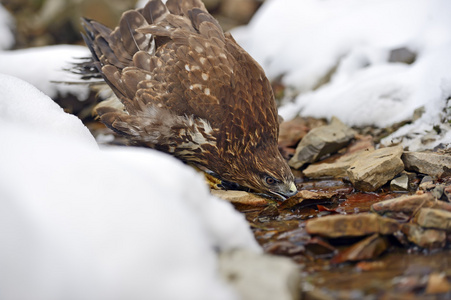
point(368, 248)
point(371, 265)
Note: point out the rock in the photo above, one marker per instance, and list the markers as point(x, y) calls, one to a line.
point(260, 276)
point(402, 55)
point(400, 183)
point(240, 198)
point(361, 142)
point(304, 195)
point(426, 183)
point(351, 225)
point(438, 191)
point(425, 238)
point(337, 169)
point(291, 132)
point(321, 141)
point(374, 168)
point(434, 218)
point(432, 164)
point(268, 213)
point(407, 205)
point(437, 284)
point(447, 193)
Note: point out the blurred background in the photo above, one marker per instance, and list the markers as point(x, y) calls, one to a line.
point(50, 22)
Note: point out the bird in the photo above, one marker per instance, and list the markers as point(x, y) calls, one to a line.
point(183, 86)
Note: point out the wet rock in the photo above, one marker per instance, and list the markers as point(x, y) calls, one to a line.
point(374, 168)
point(447, 193)
point(306, 195)
point(371, 266)
point(291, 132)
point(361, 143)
point(259, 276)
point(438, 191)
point(425, 238)
point(368, 248)
point(434, 218)
point(285, 248)
point(432, 164)
point(321, 141)
point(337, 169)
point(240, 198)
point(437, 284)
point(400, 183)
point(319, 247)
point(351, 225)
point(407, 205)
point(426, 183)
point(268, 213)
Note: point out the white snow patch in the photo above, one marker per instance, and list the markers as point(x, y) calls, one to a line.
point(142, 3)
point(7, 24)
point(42, 66)
point(82, 223)
point(352, 39)
point(24, 105)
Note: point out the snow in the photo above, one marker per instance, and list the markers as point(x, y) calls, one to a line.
point(45, 68)
point(79, 222)
point(350, 41)
point(24, 105)
point(6, 25)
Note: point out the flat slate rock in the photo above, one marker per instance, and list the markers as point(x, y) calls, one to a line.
point(432, 164)
point(321, 141)
point(375, 168)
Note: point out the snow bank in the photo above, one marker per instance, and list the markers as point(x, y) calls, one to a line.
point(347, 44)
point(23, 105)
point(42, 66)
point(82, 223)
point(6, 25)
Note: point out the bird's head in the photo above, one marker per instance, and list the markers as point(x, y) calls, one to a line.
point(264, 171)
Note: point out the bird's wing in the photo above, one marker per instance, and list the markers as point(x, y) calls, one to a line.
point(176, 57)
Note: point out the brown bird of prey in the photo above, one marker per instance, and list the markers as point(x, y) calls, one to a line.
point(188, 89)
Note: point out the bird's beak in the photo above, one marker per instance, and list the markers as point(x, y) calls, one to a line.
point(290, 192)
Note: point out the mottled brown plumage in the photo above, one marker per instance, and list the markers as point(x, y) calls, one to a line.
point(190, 90)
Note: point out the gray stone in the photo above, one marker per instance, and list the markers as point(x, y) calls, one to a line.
point(407, 205)
point(375, 168)
point(425, 238)
point(400, 183)
point(337, 169)
point(321, 141)
point(434, 218)
point(260, 276)
point(426, 183)
point(351, 225)
point(432, 164)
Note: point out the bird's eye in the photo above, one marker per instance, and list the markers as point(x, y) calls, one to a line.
point(270, 180)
